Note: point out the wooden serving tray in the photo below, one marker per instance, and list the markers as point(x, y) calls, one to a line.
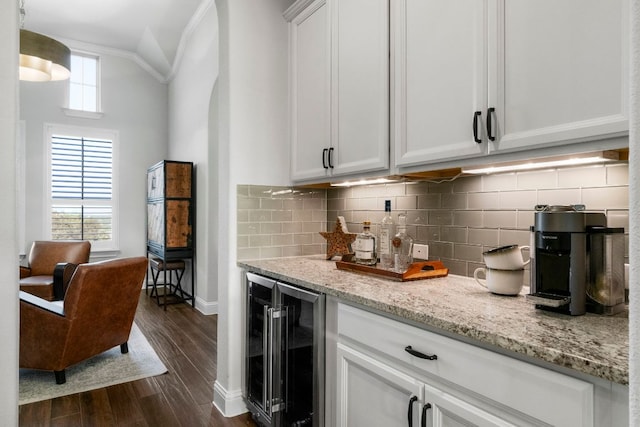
point(417, 271)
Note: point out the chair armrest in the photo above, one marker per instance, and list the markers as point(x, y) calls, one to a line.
point(24, 272)
point(61, 277)
point(42, 303)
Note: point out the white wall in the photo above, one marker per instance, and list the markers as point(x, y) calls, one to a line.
point(634, 212)
point(134, 104)
point(189, 105)
point(8, 247)
point(253, 149)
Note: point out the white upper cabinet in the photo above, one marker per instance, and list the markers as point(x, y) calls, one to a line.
point(440, 79)
point(561, 72)
point(339, 88)
point(309, 72)
point(535, 74)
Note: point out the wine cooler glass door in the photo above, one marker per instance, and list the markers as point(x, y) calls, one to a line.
point(301, 365)
point(259, 346)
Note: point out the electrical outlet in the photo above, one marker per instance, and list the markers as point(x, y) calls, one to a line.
point(420, 251)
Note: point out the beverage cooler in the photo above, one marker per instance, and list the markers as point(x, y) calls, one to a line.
point(284, 353)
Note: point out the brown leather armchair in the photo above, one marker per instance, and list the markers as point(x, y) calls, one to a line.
point(96, 315)
point(44, 259)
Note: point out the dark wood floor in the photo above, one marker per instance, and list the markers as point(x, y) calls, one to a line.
point(185, 341)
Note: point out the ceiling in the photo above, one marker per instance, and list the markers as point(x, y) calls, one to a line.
point(150, 29)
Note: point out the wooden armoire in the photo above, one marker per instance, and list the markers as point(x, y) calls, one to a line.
point(171, 213)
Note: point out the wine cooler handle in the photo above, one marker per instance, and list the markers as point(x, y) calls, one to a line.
point(476, 116)
point(266, 339)
point(419, 354)
point(325, 151)
point(270, 363)
point(425, 408)
point(284, 323)
point(410, 410)
point(490, 134)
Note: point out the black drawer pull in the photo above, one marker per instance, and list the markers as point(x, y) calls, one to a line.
point(490, 134)
point(476, 116)
point(415, 353)
point(410, 411)
point(425, 408)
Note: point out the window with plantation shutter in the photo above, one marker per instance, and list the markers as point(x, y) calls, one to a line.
point(81, 187)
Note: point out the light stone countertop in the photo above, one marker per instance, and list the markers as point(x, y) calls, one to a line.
point(458, 306)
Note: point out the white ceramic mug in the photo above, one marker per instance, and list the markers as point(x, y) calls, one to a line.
point(506, 258)
point(502, 282)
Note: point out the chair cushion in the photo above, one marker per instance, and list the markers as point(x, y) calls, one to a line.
point(41, 286)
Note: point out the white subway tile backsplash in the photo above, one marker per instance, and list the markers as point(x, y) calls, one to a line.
point(484, 236)
point(271, 204)
point(499, 182)
point(467, 184)
point(405, 202)
point(459, 219)
point(525, 219)
point(609, 198)
point(270, 228)
point(453, 234)
point(559, 197)
point(518, 199)
point(618, 219)
point(590, 176)
point(483, 200)
point(441, 217)
point(467, 218)
point(537, 180)
point(514, 237)
point(427, 233)
point(454, 201)
point(499, 219)
point(429, 201)
point(618, 174)
point(467, 252)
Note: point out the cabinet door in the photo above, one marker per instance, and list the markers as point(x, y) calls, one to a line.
point(371, 393)
point(309, 91)
point(440, 79)
point(360, 86)
point(561, 73)
point(445, 410)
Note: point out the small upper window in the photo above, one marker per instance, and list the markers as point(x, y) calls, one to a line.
point(83, 84)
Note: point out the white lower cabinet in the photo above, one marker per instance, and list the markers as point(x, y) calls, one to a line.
point(389, 373)
point(372, 393)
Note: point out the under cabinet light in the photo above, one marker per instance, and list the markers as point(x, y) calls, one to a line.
point(547, 162)
point(362, 182)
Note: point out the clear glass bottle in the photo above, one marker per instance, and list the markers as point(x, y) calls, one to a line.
point(365, 246)
point(402, 246)
point(386, 235)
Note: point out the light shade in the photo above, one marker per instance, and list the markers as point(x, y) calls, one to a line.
point(43, 58)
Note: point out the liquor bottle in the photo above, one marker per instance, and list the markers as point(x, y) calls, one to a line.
point(365, 246)
point(402, 246)
point(386, 235)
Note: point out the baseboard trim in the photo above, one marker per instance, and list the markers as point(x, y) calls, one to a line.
point(206, 308)
point(230, 404)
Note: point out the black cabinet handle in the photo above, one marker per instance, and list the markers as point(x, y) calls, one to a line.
point(331, 157)
point(490, 135)
point(425, 408)
point(415, 353)
point(476, 115)
point(324, 158)
point(410, 411)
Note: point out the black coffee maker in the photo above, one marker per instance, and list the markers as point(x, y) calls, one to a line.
point(577, 262)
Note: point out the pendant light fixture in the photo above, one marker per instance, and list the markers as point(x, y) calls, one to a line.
point(42, 58)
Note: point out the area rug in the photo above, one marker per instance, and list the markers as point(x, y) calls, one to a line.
point(109, 368)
